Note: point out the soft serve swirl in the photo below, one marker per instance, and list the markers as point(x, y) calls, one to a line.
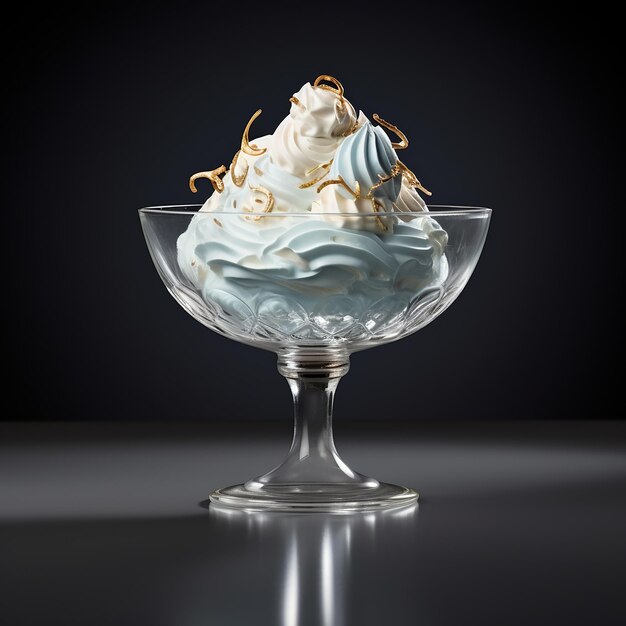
point(311, 133)
point(324, 192)
point(364, 157)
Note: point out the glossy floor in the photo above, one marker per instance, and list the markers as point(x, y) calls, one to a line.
point(518, 523)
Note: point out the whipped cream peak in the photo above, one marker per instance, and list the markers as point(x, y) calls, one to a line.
point(367, 157)
point(317, 123)
point(321, 208)
point(320, 113)
point(321, 143)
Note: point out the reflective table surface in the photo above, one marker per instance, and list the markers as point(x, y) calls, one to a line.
point(517, 523)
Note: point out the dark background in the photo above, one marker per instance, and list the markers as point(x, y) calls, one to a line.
point(512, 110)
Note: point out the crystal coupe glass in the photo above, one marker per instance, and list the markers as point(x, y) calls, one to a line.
point(313, 336)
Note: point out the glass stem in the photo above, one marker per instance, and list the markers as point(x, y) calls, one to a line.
point(312, 459)
point(313, 406)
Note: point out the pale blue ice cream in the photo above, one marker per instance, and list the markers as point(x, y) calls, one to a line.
point(343, 246)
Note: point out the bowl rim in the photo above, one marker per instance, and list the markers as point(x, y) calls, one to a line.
point(439, 210)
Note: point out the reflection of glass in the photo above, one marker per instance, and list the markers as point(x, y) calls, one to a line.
point(373, 288)
point(313, 557)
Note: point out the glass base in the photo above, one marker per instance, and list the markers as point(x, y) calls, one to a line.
point(329, 497)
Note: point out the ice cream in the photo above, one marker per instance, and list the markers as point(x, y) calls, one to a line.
point(320, 216)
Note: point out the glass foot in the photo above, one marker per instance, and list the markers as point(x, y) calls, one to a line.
point(334, 497)
point(313, 477)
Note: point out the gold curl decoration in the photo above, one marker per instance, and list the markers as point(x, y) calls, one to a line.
point(336, 87)
point(352, 129)
point(269, 201)
point(340, 181)
point(313, 182)
point(246, 146)
point(411, 179)
point(212, 175)
point(376, 205)
point(296, 101)
point(395, 170)
point(238, 180)
point(404, 142)
point(325, 166)
point(319, 166)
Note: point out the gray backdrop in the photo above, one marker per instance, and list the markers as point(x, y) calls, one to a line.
point(511, 111)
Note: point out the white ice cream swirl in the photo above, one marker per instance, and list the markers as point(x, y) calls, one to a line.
point(311, 133)
point(329, 188)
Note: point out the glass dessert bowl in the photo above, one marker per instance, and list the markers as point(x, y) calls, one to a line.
point(314, 287)
point(315, 244)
